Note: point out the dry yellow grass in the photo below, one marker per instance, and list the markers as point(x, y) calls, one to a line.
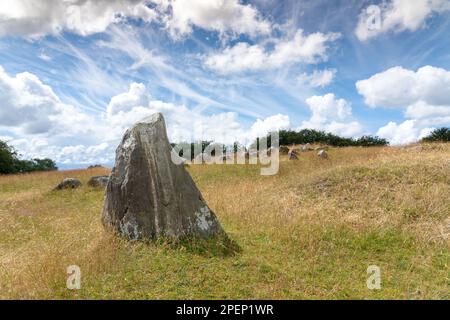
point(309, 232)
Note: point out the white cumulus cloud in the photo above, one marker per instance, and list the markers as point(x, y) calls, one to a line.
point(399, 87)
point(35, 18)
point(273, 123)
point(406, 132)
point(124, 102)
point(398, 16)
point(223, 16)
point(332, 115)
point(422, 95)
point(300, 48)
point(31, 107)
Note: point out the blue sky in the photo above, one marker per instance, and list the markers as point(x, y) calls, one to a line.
point(74, 75)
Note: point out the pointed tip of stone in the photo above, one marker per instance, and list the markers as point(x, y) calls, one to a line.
point(154, 118)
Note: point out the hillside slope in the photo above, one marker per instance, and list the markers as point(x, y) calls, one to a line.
point(309, 232)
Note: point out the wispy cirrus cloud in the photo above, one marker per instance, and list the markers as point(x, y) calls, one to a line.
point(318, 78)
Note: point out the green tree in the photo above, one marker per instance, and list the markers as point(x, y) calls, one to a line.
point(441, 134)
point(8, 157)
point(10, 162)
point(45, 164)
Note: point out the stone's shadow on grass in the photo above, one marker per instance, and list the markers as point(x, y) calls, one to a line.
point(221, 246)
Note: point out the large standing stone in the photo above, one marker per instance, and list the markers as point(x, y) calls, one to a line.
point(148, 195)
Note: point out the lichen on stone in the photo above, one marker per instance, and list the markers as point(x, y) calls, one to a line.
point(203, 218)
point(129, 228)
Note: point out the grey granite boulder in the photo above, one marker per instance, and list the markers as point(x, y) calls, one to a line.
point(306, 148)
point(68, 183)
point(292, 155)
point(100, 181)
point(150, 194)
point(322, 154)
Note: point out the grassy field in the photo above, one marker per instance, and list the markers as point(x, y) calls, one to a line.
point(309, 232)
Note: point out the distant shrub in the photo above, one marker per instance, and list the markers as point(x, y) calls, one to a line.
point(10, 162)
point(438, 135)
point(370, 141)
point(94, 166)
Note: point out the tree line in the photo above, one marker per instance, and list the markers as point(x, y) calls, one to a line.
point(290, 137)
point(11, 163)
